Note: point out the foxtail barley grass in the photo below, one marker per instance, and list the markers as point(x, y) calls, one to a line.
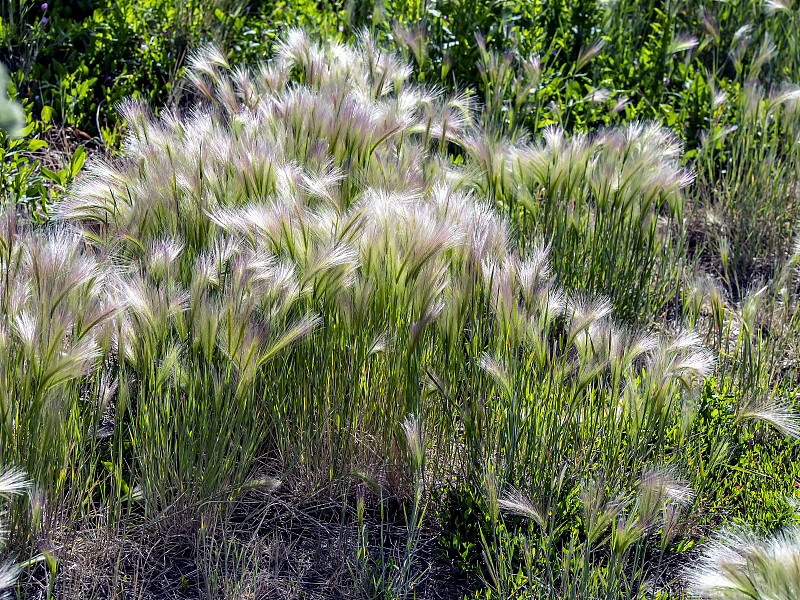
point(323, 268)
point(740, 565)
point(748, 201)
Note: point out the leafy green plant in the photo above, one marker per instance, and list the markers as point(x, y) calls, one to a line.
point(24, 181)
point(754, 483)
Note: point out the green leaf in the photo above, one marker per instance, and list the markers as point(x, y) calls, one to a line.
point(34, 145)
point(76, 163)
point(58, 177)
point(27, 130)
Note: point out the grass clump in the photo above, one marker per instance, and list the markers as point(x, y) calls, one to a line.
point(739, 565)
point(323, 277)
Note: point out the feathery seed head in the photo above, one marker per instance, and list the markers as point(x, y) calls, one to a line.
point(627, 532)
point(13, 481)
point(161, 257)
point(518, 504)
point(738, 565)
point(497, 372)
point(583, 312)
point(779, 414)
point(772, 7)
point(598, 511)
point(412, 429)
point(657, 487)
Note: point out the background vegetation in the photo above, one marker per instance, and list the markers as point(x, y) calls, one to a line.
point(466, 298)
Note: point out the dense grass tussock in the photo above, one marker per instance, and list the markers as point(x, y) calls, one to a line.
point(740, 565)
point(324, 270)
